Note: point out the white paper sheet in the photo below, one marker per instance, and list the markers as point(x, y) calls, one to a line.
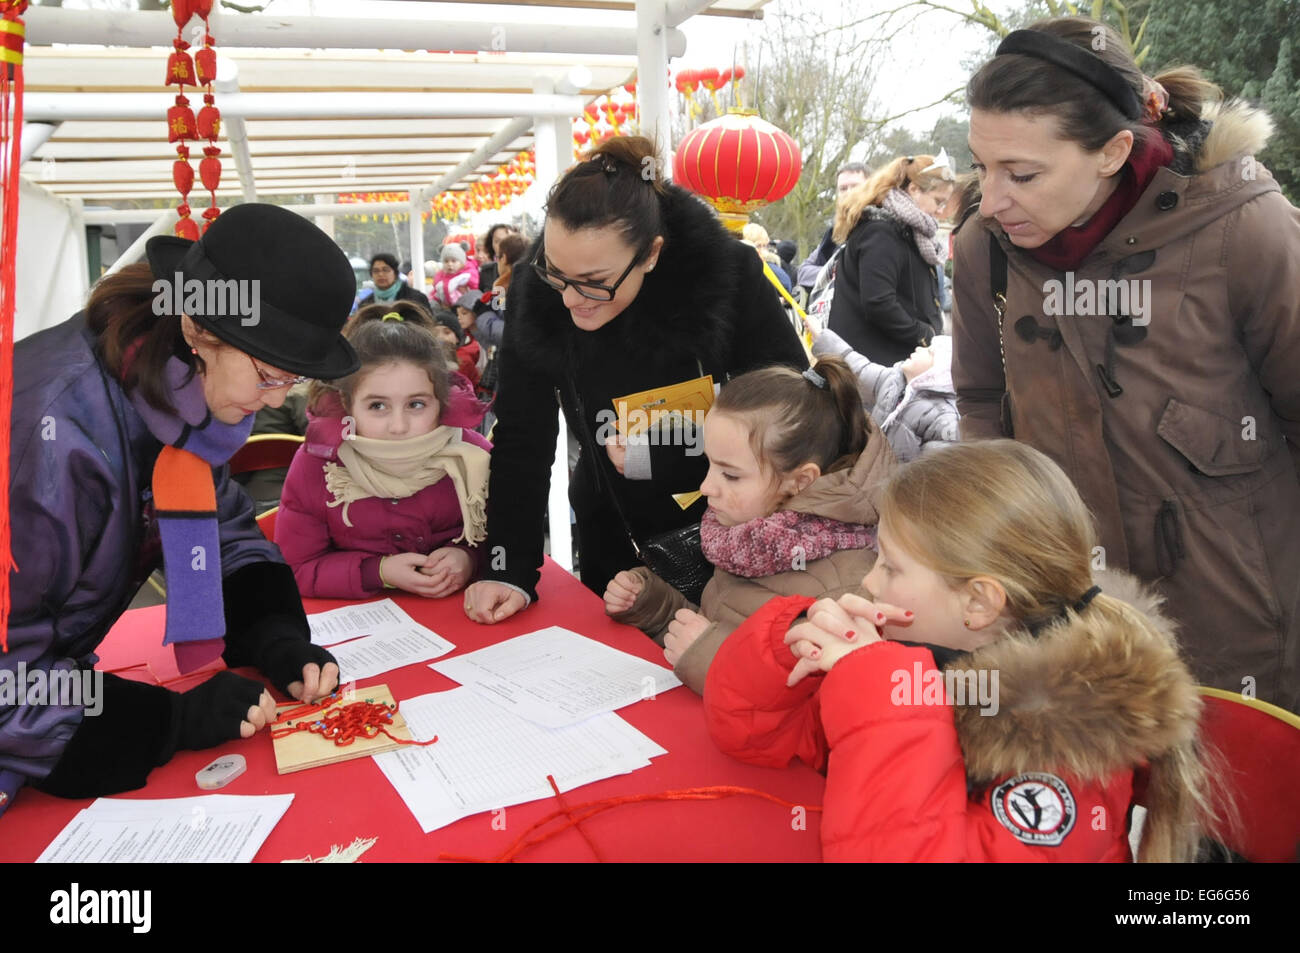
point(488, 758)
point(367, 618)
point(387, 650)
point(213, 828)
point(556, 677)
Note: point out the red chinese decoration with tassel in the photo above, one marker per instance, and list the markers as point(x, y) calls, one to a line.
point(183, 126)
point(738, 163)
point(12, 33)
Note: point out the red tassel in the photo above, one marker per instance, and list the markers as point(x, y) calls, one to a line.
point(180, 69)
point(187, 227)
point(183, 176)
point(210, 171)
point(180, 121)
point(205, 65)
point(209, 122)
point(182, 10)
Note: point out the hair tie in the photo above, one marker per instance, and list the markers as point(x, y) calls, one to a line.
point(815, 379)
point(606, 163)
point(1093, 70)
point(392, 316)
point(1155, 101)
point(1086, 598)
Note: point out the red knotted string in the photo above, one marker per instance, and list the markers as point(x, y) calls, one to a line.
point(344, 724)
point(578, 813)
point(11, 128)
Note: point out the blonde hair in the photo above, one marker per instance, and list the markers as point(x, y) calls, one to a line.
point(1002, 509)
point(899, 174)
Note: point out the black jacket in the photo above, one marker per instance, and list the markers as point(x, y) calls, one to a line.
point(886, 295)
point(705, 305)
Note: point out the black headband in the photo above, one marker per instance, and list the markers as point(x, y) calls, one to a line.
point(1074, 59)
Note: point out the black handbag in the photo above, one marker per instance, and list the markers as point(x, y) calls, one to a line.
point(674, 556)
point(998, 286)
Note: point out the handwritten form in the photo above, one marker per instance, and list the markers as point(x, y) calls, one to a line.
point(382, 638)
point(214, 828)
point(488, 758)
point(557, 678)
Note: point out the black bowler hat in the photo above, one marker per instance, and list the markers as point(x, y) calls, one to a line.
point(304, 293)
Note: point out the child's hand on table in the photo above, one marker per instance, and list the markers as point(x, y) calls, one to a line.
point(834, 629)
point(403, 571)
point(687, 626)
point(621, 593)
point(449, 569)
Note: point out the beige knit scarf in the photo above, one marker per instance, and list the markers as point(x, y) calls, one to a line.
point(396, 469)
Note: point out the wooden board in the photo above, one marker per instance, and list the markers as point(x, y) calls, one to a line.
point(304, 749)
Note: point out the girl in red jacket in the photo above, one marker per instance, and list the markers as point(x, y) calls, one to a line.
point(994, 703)
point(395, 500)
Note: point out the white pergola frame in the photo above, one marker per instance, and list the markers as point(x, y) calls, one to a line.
point(547, 111)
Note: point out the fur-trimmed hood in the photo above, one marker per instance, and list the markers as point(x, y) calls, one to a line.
point(1086, 696)
point(683, 308)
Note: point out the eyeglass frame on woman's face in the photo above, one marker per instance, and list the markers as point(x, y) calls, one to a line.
point(552, 277)
point(273, 383)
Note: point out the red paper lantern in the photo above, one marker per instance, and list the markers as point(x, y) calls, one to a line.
point(205, 65)
point(738, 163)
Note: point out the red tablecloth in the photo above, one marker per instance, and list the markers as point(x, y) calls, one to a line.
point(334, 804)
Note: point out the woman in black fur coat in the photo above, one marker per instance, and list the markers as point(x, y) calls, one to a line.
point(688, 300)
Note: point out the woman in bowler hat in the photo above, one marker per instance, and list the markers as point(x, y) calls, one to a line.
point(123, 419)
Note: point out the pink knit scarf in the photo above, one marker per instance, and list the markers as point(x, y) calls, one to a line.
point(782, 542)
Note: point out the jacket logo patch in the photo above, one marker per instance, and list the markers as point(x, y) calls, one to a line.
point(1036, 808)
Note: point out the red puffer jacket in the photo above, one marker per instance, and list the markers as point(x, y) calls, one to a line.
point(1046, 775)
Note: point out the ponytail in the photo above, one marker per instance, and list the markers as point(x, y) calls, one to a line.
point(793, 419)
point(618, 184)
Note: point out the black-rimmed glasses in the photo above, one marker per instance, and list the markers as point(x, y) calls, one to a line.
point(591, 290)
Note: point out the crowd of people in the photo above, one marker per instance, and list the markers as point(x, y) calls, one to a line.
point(1092, 504)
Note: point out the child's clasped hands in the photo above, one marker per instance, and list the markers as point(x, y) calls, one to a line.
point(836, 627)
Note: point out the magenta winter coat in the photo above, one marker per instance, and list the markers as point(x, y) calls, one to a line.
point(331, 560)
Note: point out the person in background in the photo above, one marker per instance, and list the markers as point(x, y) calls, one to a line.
point(455, 276)
point(886, 287)
point(489, 253)
point(389, 286)
point(756, 237)
point(849, 177)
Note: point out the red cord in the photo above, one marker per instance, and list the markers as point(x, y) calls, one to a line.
point(344, 724)
point(582, 812)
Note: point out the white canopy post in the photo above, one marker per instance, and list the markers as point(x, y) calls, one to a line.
point(162, 225)
point(419, 204)
point(652, 78)
point(553, 143)
point(227, 84)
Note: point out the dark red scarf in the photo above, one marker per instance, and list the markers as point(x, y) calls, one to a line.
point(1065, 250)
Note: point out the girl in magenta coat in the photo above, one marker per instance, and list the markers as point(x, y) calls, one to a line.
point(386, 496)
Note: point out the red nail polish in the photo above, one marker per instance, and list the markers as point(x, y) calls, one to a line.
point(850, 635)
point(908, 614)
point(880, 617)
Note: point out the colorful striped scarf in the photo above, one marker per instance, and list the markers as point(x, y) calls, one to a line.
point(185, 502)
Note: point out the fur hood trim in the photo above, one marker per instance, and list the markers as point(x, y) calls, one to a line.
point(1091, 695)
point(1236, 129)
point(681, 310)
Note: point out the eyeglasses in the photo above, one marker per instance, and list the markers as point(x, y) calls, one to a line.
point(591, 290)
point(273, 383)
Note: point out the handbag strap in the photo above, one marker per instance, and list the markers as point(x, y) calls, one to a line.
point(588, 445)
point(998, 287)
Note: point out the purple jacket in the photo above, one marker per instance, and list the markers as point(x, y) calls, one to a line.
point(334, 561)
point(83, 529)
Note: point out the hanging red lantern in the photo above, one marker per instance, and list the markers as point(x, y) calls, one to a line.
point(183, 176)
point(210, 169)
point(182, 10)
point(180, 121)
point(205, 66)
point(738, 163)
point(209, 121)
point(180, 68)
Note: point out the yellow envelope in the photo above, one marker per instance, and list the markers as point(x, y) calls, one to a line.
point(638, 412)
